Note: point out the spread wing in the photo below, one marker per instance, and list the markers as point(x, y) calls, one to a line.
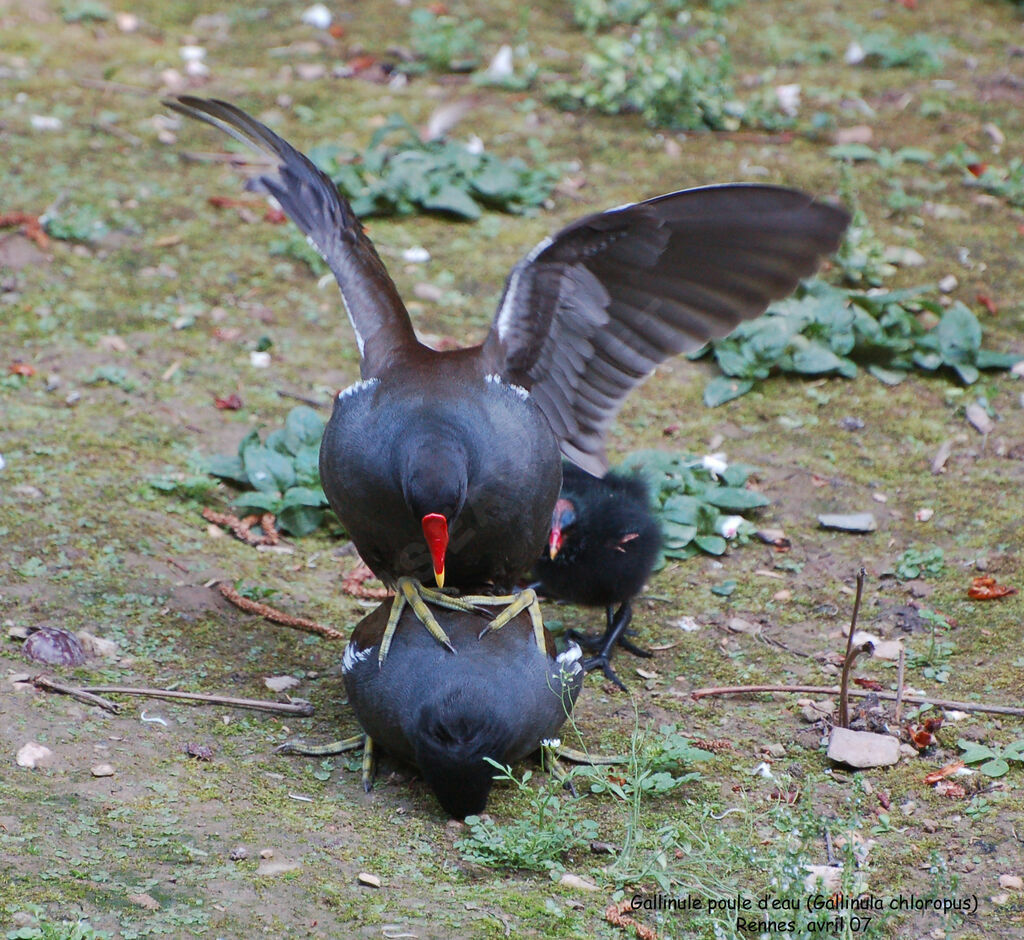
point(312, 201)
point(590, 313)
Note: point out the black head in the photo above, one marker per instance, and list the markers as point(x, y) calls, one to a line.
point(451, 739)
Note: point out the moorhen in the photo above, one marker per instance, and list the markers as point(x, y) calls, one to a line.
point(603, 545)
point(445, 465)
point(501, 697)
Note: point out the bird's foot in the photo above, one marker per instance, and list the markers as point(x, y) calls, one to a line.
point(355, 743)
point(597, 642)
point(416, 595)
point(526, 600)
point(553, 753)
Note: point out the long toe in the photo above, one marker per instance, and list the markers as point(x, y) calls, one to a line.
point(606, 667)
point(634, 649)
point(591, 642)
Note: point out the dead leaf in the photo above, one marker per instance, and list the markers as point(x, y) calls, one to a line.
point(872, 685)
point(988, 303)
point(353, 583)
point(987, 589)
point(953, 790)
point(280, 683)
point(978, 418)
point(230, 403)
point(21, 368)
point(30, 225)
point(936, 775)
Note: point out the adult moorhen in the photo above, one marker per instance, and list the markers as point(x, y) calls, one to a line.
point(445, 465)
point(603, 544)
point(501, 697)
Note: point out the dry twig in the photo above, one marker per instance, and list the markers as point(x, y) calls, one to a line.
point(92, 697)
point(278, 616)
point(242, 528)
point(826, 690)
point(353, 583)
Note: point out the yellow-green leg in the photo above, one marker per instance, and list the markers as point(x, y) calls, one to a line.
point(515, 605)
point(416, 595)
point(338, 747)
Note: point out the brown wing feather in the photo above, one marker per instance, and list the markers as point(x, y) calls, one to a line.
point(591, 312)
point(313, 203)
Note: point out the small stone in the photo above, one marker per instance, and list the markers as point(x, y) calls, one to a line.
point(848, 522)
point(238, 853)
point(31, 755)
point(102, 770)
point(371, 881)
point(280, 683)
point(266, 853)
point(259, 359)
point(929, 825)
point(829, 876)
point(317, 16)
point(1011, 882)
point(863, 748)
point(739, 625)
point(924, 514)
point(978, 418)
point(948, 284)
point(145, 900)
point(575, 881)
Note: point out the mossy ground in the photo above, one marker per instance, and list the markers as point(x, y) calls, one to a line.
point(89, 544)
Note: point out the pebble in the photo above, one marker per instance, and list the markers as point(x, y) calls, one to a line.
point(102, 770)
point(371, 881)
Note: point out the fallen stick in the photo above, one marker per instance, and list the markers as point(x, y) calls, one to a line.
point(863, 693)
point(92, 696)
point(278, 616)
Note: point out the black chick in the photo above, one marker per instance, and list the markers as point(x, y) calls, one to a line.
point(603, 544)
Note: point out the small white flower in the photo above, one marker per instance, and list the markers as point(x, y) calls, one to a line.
point(192, 53)
point(259, 360)
point(501, 65)
point(855, 54)
point(728, 526)
point(551, 742)
point(764, 769)
point(474, 145)
point(3, 463)
point(317, 16)
point(715, 464)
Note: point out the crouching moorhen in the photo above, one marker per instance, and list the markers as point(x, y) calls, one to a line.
point(445, 465)
point(501, 697)
point(603, 544)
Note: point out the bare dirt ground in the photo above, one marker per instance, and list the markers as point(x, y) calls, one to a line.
point(144, 305)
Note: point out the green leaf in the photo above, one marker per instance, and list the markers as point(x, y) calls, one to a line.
point(989, 359)
point(458, 202)
point(995, 767)
point(255, 499)
point(303, 427)
point(725, 588)
point(968, 374)
point(723, 388)
point(268, 470)
point(712, 544)
point(974, 752)
point(887, 376)
point(735, 499)
point(228, 468)
point(958, 334)
point(307, 465)
point(300, 520)
point(1014, 750)
point(304, 496)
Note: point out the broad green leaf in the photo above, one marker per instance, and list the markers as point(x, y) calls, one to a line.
point(735, 499)
point(887, 376)
point(1014, 750)
point(989, 359)
point(958, 334)
point(974, 752)
point(304, 496)
point(995, 767)
point(302, 427)
point(229, 468)
point(300, 520)
point(268, 470)
point(458, 202)
point(722, 389)
point(712, 544)
point(255, 499)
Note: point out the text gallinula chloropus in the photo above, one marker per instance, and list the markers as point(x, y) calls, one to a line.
point(603, 544)
point(445, 465)
point(501, 697)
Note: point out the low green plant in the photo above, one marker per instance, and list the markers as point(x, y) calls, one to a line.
point(887, 49)
point(42, 927)
point(696, 500)
point(399, 174)
point(539, 839)
point(668, 73)
point(885, 158)
point(282, 475)
point(823, 329)
point(443, 41)
point(594, 15)
point(920, 563)
point(994, 761)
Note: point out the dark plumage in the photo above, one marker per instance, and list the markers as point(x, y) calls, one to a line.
point(445, 465)
point(500, 697)
point(603, 544)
